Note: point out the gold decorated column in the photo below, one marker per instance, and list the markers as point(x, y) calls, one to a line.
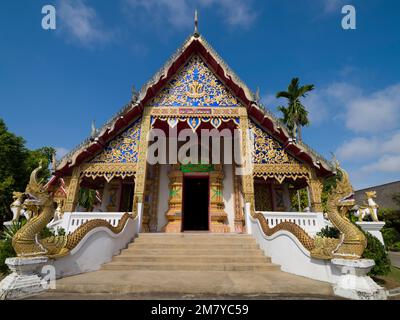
point(316, 185)
point(219, 218)
point(246, 150)
point(140, 181)
point(174, 213)
point(73, 190)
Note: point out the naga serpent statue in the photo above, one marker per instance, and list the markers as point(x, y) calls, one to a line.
point(352, 242)
point(27, 242)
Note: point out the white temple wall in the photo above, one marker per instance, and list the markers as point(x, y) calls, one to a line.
point(228, 195)
point(163, 197)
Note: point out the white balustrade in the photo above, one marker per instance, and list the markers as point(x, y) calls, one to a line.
point(73, 220)
point(311, 222)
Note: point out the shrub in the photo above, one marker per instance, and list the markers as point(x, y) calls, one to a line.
point(390, 236)
point(6, 251)
point(396, 246)
point(6, 248)
point(391, 218)
point(46, 233)
point(329, 232)
point(376, 251)
point(61, 231)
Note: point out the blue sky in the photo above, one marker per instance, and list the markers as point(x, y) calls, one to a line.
point(54, 83)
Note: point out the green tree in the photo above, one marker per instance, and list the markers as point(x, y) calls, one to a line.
point(16, 164)
point(295, 115)
point(301, 194)
point(87, 198)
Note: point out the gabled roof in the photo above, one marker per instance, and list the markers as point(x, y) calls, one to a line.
point(193, 44)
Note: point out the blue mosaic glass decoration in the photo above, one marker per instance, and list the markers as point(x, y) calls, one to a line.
point(122, 149)
point(195, 85)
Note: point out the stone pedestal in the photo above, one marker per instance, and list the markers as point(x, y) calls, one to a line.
point(354, 283)
point(373, 228)
point(25, 279)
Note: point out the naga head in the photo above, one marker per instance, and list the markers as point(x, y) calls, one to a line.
point(370, 194)
point(35, 193)
point(347, 201)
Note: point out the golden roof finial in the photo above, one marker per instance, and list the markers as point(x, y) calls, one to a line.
point(196, 24)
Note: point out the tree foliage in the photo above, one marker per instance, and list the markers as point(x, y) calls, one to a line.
point(294, 199)
point(16, 164)
point(87, 198)
point(295, 115)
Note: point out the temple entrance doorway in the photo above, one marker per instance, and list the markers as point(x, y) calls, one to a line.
point(195, 204)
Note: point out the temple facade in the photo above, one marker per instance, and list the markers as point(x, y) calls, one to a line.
point(195, 91)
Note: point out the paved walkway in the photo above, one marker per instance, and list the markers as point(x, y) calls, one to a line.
point(188, 284)
point(395, 258)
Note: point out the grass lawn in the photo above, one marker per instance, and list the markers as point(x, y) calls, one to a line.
point(391, 281)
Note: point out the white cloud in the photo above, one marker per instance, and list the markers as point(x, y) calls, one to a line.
point(369, 113)
point(361, 148)
point(235, 12)
point(176, 12)
point(81, 23)
point(374, 112)
point(333, 5)
point(357, 149)
point(386, 163)
point(179, 13)
point(61, 152)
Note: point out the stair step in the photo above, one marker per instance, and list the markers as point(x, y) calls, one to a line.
point(192, 266)
point(194, 234)
point(194, 241)
point(134, 251)
point(184, 245)
point(190, 259)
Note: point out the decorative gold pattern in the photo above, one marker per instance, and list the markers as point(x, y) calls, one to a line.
point(174, 213)
point(195, 85)
point(122, 149)
point(26, 241)
point(239, 215)
point(219, 218)
point(140, 182)
point(280, 172)
point(262, 197)
point(73, 190)
point(352, 242)
point(109, 171)
point(267, 149)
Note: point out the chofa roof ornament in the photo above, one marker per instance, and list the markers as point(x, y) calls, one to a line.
point(196, 24)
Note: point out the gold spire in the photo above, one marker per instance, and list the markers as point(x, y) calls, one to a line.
point(196, 24)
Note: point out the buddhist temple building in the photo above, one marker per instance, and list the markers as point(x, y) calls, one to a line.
point(194, 90)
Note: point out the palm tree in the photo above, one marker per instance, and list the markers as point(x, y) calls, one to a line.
point(295, 115)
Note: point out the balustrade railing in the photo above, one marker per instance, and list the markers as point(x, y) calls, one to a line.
point(311, 222)
point(73, 220)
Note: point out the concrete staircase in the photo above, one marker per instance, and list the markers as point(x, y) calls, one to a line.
point(187, 266)
point(192, 252)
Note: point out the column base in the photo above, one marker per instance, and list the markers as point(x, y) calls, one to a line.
point(354, 282)
point(25, 279)
point(373, 228)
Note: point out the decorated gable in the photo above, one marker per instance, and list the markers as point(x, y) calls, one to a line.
point(119, 157)
point(122, 149)
point(195, 85)
point(267, 150)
